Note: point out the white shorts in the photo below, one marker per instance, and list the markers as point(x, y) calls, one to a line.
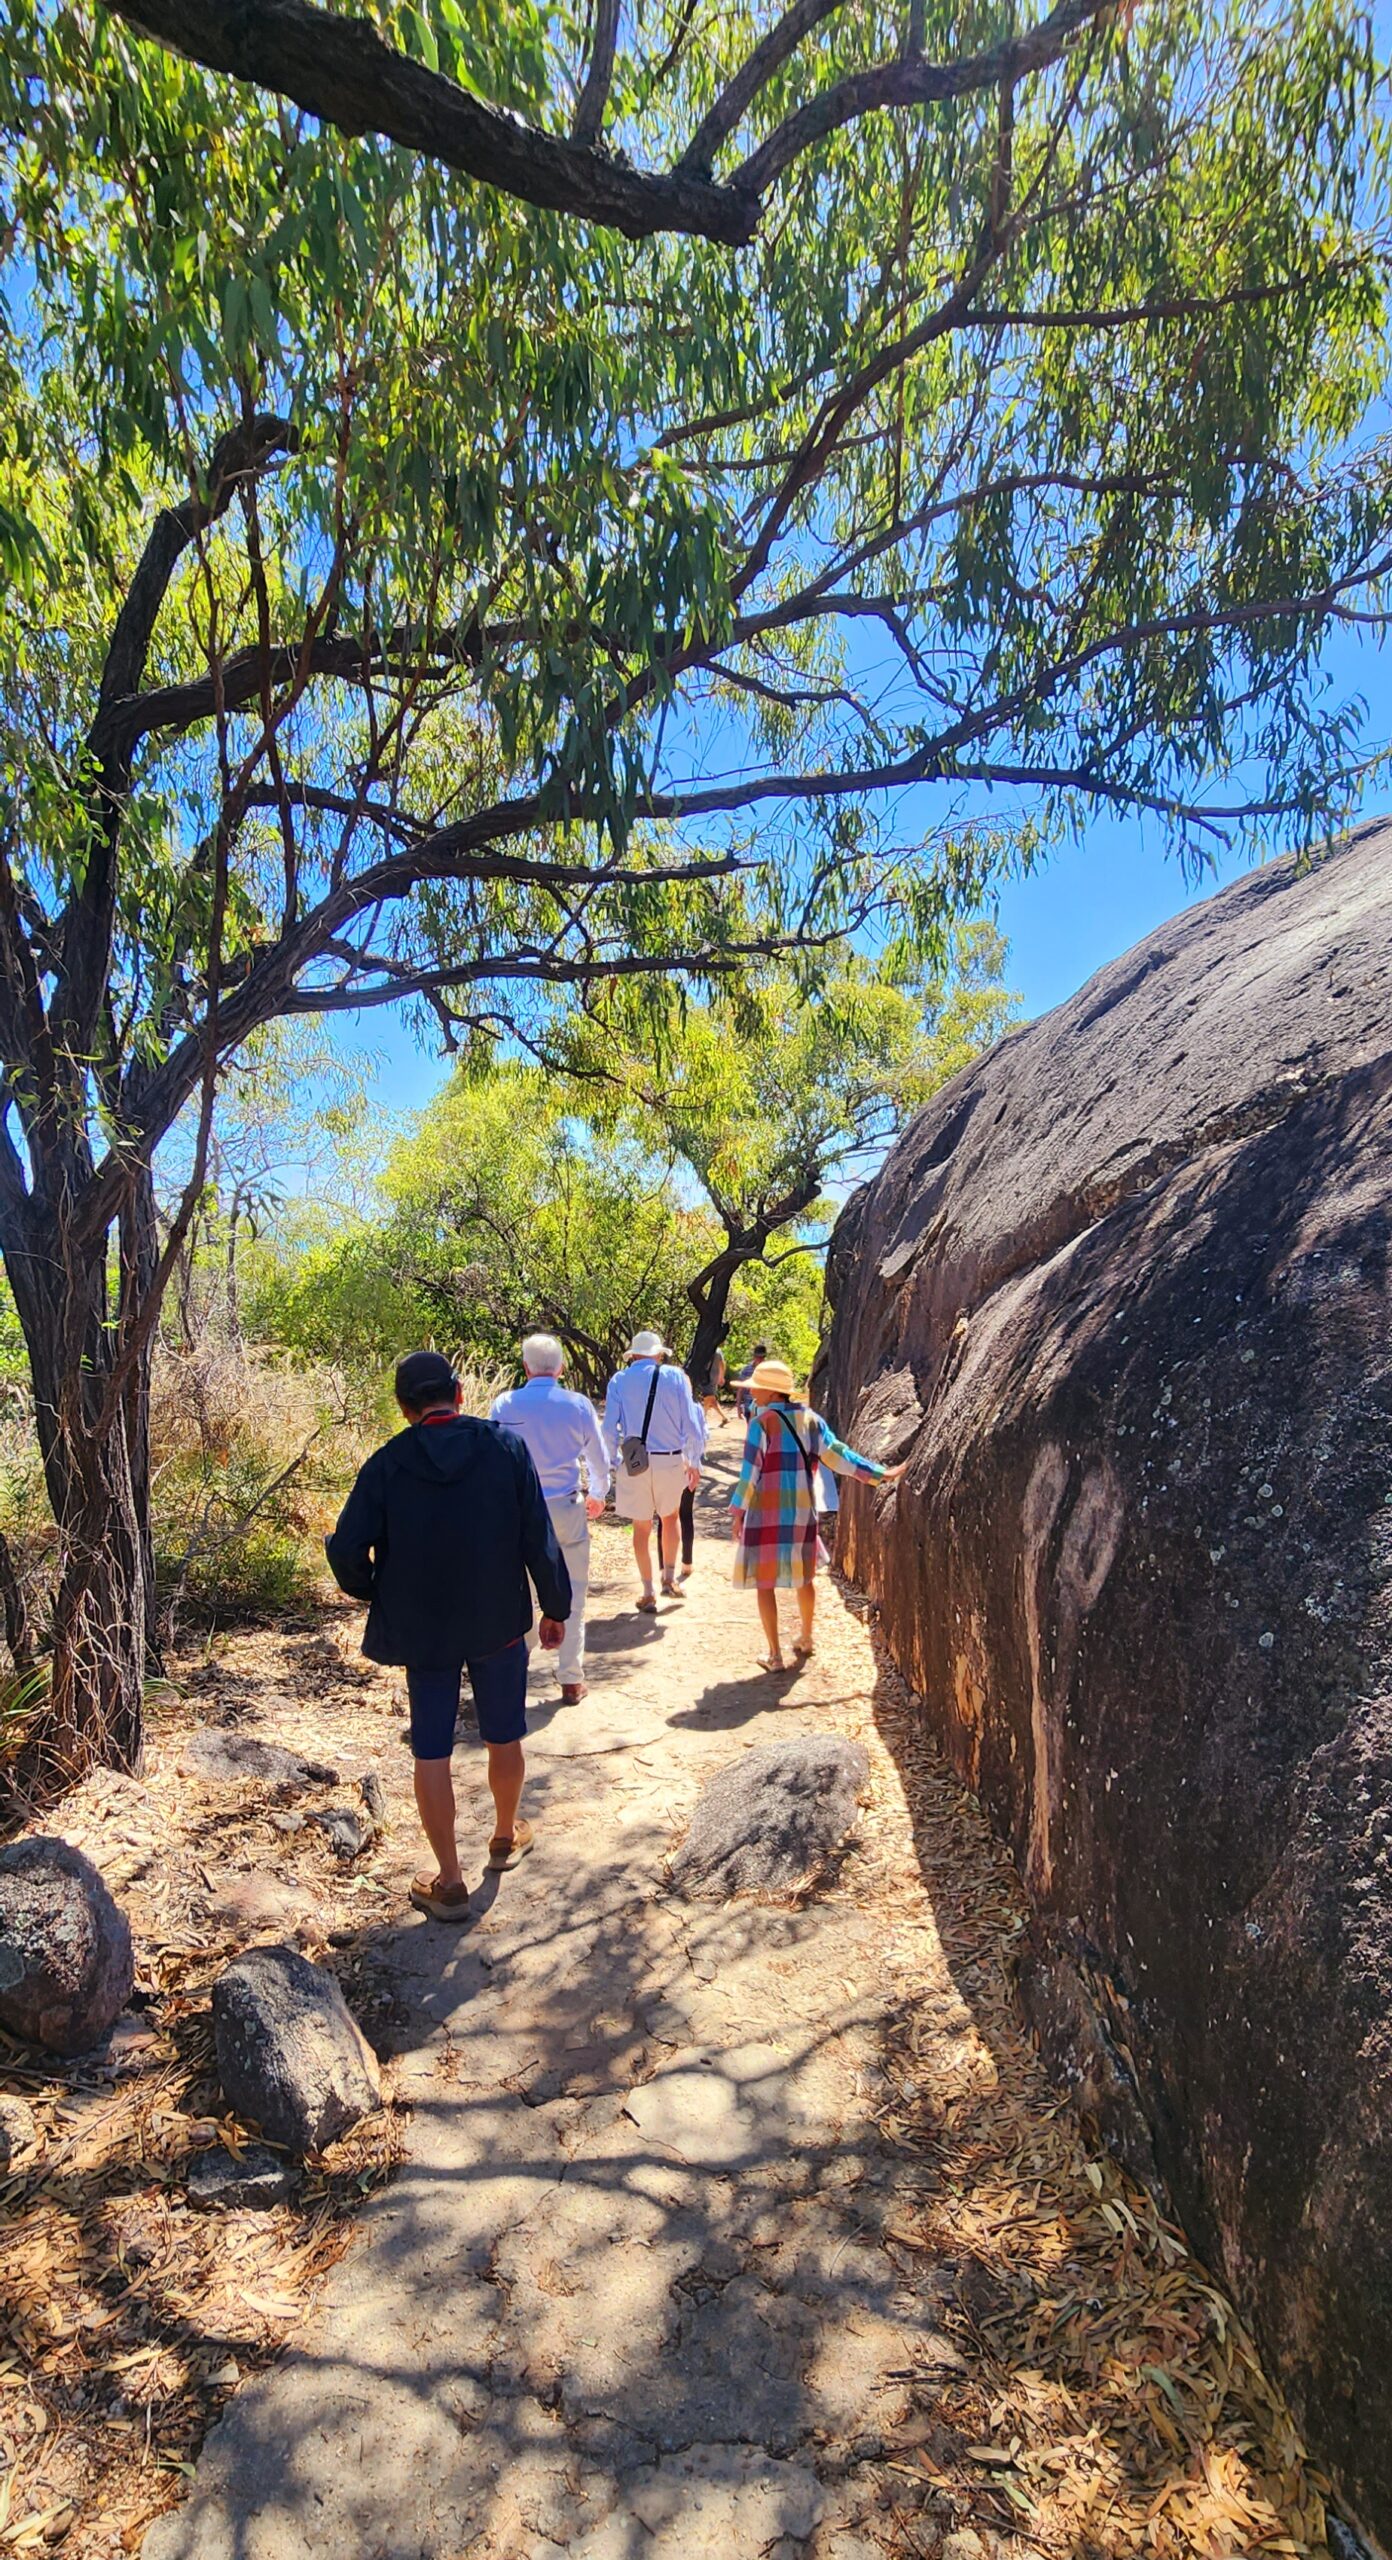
point(658, 1489)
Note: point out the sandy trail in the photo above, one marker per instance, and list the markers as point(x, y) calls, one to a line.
point(746, 2229)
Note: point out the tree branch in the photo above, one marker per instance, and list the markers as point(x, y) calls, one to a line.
point(341, 70)
point(594, 97)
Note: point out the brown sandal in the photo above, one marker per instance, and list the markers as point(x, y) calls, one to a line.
point(503, 1852)
point(440, 1901)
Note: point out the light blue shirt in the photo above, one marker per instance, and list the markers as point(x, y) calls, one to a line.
point(561, 1431)
point(676, 1429)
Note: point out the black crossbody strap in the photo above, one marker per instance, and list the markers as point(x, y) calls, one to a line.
point(807, 1459)
point(652, 1399)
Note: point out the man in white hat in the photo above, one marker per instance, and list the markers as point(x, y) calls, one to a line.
point(655, 1438)
point(561, 1433)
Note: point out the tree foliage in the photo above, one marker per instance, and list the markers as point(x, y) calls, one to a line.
point(774, 1100)
point(503, 1212)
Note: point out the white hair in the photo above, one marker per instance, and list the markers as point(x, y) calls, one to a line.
point(543, 1356)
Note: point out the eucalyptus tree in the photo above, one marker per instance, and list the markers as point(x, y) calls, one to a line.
point(418, 593)
point(773, 1099)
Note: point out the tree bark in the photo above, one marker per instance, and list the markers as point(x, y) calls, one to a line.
point(96, 1466)
point(709, 1293)
point(139, 1234)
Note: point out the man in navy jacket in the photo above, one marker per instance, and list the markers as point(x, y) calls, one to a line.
point(439, 1536)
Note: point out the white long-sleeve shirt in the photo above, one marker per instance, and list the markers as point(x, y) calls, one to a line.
point(676, 1429)
point(561, 1431)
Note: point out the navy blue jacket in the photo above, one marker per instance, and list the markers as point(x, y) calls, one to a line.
point(439, 1535)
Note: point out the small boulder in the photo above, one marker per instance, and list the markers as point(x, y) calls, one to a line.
point(255, 2182)
point(19, 2132)
point(291, 2057)
point(234, 1759)
point(66, 1963)
point(348, 1832)
point(772, 1819)
point(374, 1796)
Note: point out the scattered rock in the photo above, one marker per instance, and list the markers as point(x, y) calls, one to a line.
point(66, 1963)
point(291, 2057)
point(19, 2132)
point(965, 2545)
point(348, 1832)
point(1120, 1297)
point(260, 1901)
point(374, 1796)
point(255, 2182)
point(237, 1759)
point(773, 1818)
point(291, 1821)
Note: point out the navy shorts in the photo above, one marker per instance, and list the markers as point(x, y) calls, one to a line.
point(499, 1684)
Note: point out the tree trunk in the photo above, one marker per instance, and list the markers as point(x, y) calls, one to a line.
point(97, 1473)
point(100, 1616)
point(709, 1293)
point(139, 1263)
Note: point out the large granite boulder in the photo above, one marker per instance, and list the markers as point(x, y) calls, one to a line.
point(66, 1961)
point(1121, 1294)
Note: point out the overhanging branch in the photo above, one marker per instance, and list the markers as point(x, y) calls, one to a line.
point(341, 70)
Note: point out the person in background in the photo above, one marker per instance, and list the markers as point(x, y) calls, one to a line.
point(773, 1508)
point(654, 1439)
point(828, 1502)
point(705, 1405)
point(439, 1536)
point(707, 1390)
point(561, 1430)
point(744, 1401)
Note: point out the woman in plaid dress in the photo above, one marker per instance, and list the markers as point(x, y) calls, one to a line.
point(773, 1509)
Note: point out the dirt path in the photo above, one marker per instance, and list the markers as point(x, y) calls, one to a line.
point(738, 2230)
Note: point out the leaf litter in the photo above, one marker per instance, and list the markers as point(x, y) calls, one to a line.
point(1106, 2399)
point(126, 2316)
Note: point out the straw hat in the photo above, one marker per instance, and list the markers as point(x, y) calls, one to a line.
point(774, 1378)
point(647, 1346)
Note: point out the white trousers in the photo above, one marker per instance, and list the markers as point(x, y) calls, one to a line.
point(570, 1521)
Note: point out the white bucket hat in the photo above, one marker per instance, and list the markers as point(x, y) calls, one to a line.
point(646, 1346)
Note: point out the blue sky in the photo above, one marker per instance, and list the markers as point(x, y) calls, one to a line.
point(1091, 901)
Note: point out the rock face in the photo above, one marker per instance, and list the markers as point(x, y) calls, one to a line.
point(66, 1964)
point(771, 1819)
point(291, 2057)
point(1121, 1294)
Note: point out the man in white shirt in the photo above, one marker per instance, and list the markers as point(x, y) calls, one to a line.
point(562, 1437)
point(650, 1402)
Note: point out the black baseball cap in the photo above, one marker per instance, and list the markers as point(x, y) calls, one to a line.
point(424, 1377)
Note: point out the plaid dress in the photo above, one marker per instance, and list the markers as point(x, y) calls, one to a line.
point(777, 1547)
